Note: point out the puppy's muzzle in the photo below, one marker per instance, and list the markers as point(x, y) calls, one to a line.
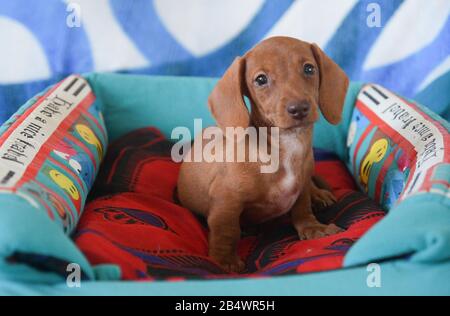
point(298, 110)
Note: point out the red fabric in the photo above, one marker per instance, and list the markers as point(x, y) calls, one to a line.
point(134, 221)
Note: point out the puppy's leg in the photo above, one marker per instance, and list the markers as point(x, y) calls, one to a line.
point(321, 195)
point(224, 235)
point(306, 224)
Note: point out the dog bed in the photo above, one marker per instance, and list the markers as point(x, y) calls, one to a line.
point(387, 162)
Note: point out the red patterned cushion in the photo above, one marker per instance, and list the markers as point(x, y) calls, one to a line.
point(133, 220)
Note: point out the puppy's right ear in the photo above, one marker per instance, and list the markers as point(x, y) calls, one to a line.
point(333, 86)
point(226, 101)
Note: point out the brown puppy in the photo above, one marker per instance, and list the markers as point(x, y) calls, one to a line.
point(287, 81)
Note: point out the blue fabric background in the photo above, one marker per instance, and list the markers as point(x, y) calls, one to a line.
point(137, 37)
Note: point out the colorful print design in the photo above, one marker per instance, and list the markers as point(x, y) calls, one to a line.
point(79, 161)
point(395, 148)
point(375, 154)
point(62, 137)
point(88, 136)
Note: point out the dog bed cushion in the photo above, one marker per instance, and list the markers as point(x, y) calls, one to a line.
point(395, 148)
point(52, 148)
point(135, 221)
point(50, 152)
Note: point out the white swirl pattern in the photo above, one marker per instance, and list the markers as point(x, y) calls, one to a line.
point(15, 62)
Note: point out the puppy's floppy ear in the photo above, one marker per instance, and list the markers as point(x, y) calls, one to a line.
point(226, 101)
point(333, 86)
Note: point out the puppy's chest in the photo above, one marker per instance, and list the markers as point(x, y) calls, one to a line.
point(284, 187)
point(284, 190)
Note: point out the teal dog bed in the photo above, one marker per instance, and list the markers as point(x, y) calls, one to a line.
point(397, 151)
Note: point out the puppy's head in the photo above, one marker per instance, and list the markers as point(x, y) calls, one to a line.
point(287, 81)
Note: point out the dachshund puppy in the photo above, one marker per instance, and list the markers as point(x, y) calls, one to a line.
point(287, 82)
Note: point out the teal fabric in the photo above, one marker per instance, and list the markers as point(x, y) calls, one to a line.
point(132, 101)
point(26, 229)
point(418, 227)
point(397, 278)
point(412, 243)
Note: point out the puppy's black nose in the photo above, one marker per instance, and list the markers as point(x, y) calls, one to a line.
point(298, 110)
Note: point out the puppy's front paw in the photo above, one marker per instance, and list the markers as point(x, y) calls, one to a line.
point(232, 264)
point(322, 198)
point(317, 230)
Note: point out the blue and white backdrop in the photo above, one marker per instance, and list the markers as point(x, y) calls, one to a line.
point(402, 44)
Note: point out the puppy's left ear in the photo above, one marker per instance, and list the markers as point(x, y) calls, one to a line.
point(333, 86)
point(226, 101)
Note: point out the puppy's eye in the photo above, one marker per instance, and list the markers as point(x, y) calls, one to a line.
point(261, 80)
point(309, 69)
